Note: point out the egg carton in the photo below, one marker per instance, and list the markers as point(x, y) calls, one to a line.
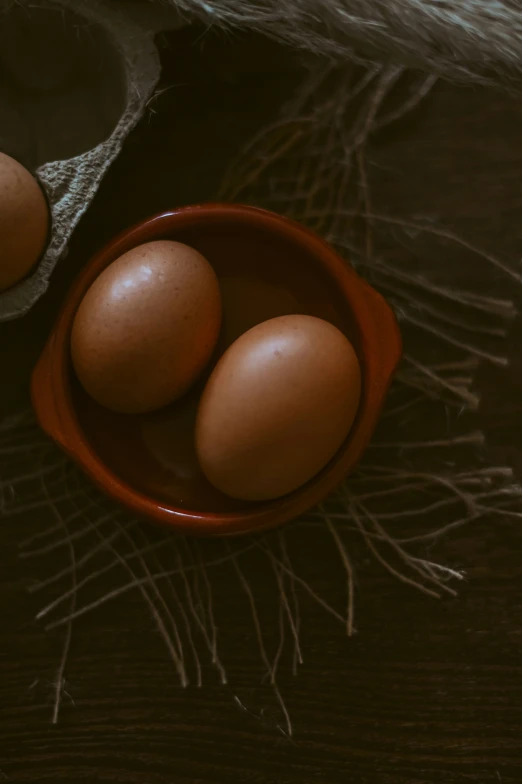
point(75, 77)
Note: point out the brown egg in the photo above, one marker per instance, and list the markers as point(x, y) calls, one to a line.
point(146, 327)
point(277, 407)
point(24, 221)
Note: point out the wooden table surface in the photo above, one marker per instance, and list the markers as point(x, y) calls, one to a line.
point(427, 691)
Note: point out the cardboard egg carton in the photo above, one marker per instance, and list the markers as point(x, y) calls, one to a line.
point(75, 77)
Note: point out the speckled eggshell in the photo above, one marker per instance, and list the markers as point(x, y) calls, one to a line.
point(277, 407)
point(147, 327)
point(24, 221)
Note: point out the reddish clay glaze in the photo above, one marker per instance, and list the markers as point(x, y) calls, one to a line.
point(147, 462)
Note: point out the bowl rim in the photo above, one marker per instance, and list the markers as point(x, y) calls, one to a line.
point(379, 353)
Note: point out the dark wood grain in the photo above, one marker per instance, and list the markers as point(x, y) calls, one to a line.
point(427, 691)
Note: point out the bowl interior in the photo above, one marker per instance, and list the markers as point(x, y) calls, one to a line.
point(263, 273)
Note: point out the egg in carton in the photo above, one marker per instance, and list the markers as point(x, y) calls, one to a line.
point(75, 77)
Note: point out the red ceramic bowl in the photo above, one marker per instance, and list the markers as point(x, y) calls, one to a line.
point(147, 462)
